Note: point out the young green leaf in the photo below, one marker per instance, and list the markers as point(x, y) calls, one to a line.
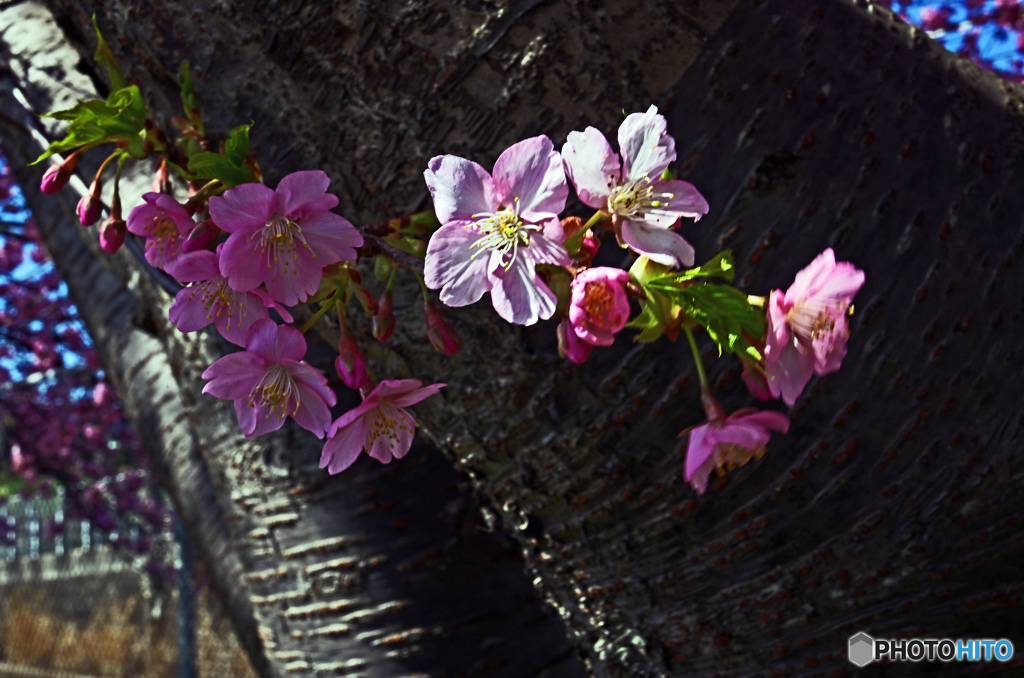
point(105, 57)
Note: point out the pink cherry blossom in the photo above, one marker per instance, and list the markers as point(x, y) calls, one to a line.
point(729, 443)
point(268, 383)
point(213, 301)
point(642, 205)
point(379, 425)
point(165, 223)
point(282, 238)
point(599, 307)
point(496, 229)
point(807, 326)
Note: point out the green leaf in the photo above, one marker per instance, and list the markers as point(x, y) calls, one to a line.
point(237, 146)
point(106, 57)
point(208, 166)
point(724, 311)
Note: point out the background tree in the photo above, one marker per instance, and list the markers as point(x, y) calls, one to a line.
point(893, 505)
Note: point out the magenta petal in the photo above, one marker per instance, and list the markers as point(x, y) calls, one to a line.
point(246, 417)
point(452, 266)
point(343, 447)
point(591, 165)
point(304, 194)
point(389, 389)
point(699, 449)
point(660, 245)
point(244, 207)
point(314, 380)
point(767, 419)
point(417, 395)
point(240, 264)
point(289, 344)
point(264, 423)
point(234, 319)
point(518, 294)
point(234, 375)
point(312, 413)
point(531, 171)
point(194, 266)
point(459, 188)
point(736, 432)
point(647, 149)
point(405, 431)
point(189, 311)
point(332, 238)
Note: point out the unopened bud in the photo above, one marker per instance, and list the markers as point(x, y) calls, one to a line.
point(89, 209)
point(384, 321)
point(202, 236)
point(570, 345)
point(57, 175)
point(588, 248)
point(756, 381)
point(350, 363)
point(440, 332)
point(112, 233)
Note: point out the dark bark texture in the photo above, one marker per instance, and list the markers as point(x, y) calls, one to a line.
point(892, 507)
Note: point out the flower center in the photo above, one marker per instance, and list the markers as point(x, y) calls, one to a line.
point(164, 234)
point(729, 457)
point(599, 303)
point(503, 231)
point(277, 392)
point(382, 422)
point(816, 320)
point(277, 241)
point(639, 197)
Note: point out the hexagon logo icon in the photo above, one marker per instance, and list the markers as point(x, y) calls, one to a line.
point(862, 649)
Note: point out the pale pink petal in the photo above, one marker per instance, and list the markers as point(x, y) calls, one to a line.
point(735, 432)
point(647, 149)
point(459, 188)
point(842, 283)
point(531, 171)
point(518, 294)
point(390, 389)
point(686, 200)
point(659, 245)
point(343, 447)
point(234, 375)
point(415, 396)
point(244, 207)
point(809, 280)
point(460, 272)
point(356, 413)
point(592, 166)
point(406, 430)
point(788, 372)
point(304, 194)
point(332, 238)
point(545, 251)
point(382, 425)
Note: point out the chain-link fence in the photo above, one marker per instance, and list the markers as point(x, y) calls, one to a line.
point(72, 604)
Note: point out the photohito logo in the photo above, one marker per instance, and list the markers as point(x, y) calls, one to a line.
point(863, 649)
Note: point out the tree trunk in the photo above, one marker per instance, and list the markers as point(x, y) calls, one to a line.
point(891, 507)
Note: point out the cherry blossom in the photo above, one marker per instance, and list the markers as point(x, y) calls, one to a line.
point(599, 307)
point(729, 443)
point(379, 425)
point(282, 238)
point(644, 207)
point(496, 229)
point(268, 383)
point(807, 326)
point(165, 223)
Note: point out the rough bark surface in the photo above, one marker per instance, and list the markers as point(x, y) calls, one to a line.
point(893, 505)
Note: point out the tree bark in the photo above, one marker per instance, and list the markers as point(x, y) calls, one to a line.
point(893, 504)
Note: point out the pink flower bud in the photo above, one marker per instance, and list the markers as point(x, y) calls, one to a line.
point(350, 363)
point(570, 345)
point(440, 332)
point(57, 175)
point(756, 381)
point(112, 232)
point(202, 236)
point(89, 209)
point(384, 321)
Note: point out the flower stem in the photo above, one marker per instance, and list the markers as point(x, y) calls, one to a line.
point(701, 374)
point(423, 286)
point(324, 307)
point(712, 408)
point(573, 243)
point(115, 205)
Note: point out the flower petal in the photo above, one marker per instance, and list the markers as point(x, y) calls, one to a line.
point(657, 244)
point(518, 294)
point(451, 265)
point(343, 447)
point(788, 372)
point(592, 166)
point(531, 171)
point(647, 149)
point(686, 200)
point(244, 207)
point(189, 311)
point(194, 266)
point(234, 376)
point(304, 194)
point(768, 419)
point(459, 188)
point(415, 396)
point(234, 317)
point(312, 413)
point(331, 237)
point(241, 264)
point(292, 282)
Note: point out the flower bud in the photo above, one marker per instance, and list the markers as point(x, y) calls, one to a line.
point(756, 381)
point(57, 175)
point(350, 363)
point(89, 209)
point(384, 321)
point(570, 345)
point(112, 233)
point(202, 237)
point(440, 332)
